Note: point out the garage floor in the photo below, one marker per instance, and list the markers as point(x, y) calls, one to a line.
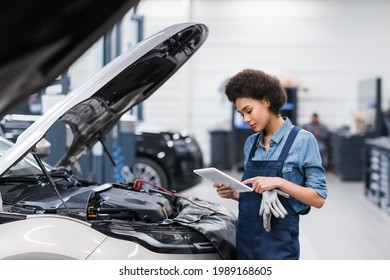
point(348, 227)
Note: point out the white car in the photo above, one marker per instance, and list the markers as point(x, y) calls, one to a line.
point(49, 213)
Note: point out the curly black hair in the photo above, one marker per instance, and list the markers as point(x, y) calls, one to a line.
point(258, 85)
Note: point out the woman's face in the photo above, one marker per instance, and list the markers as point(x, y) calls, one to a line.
point(254, 112)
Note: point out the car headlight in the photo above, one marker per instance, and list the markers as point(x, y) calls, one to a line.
point(173, 239)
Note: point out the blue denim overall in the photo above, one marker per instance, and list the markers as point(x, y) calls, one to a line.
point(253, 242)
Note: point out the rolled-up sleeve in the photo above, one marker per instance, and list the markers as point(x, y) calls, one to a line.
point(312, 168)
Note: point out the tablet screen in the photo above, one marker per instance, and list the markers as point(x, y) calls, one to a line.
point(217, 176)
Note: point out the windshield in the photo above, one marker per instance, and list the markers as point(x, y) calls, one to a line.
point(26, 166)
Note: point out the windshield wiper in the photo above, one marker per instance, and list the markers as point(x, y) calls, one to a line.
point(49, 178)
point(19, 178)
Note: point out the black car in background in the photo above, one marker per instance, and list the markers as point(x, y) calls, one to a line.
point(167, 158)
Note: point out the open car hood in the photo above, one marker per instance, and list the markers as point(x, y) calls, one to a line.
point(42, 38)
point(93, 109)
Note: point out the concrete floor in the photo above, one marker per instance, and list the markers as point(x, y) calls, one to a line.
point(348, 227)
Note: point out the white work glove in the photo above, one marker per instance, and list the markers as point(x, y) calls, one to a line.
point(270, 204)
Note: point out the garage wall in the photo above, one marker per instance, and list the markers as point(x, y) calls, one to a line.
point(323, 46)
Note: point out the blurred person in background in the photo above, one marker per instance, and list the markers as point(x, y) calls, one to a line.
point(322, 134)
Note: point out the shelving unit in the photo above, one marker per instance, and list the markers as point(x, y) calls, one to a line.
point(377, 172)
point(290, 109)
point(348, 153)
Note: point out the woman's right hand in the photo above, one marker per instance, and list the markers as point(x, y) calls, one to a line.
point(225, 191)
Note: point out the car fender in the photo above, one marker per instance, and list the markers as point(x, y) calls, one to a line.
point(48, 237)
point(118, 249)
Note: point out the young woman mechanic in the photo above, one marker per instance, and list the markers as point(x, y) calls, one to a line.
point(283, 166)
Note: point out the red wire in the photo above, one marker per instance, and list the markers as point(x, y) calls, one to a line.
point(138, 184)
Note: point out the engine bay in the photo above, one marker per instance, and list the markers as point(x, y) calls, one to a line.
point(92, 202)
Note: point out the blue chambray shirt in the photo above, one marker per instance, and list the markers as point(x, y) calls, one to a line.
point(303, 165)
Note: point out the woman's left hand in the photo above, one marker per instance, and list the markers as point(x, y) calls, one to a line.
point(261, 184)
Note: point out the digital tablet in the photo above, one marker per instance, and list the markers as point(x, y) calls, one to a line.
point(217, 176)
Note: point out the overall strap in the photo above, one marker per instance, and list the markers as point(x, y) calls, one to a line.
point(254, 147)
point(290, 140)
